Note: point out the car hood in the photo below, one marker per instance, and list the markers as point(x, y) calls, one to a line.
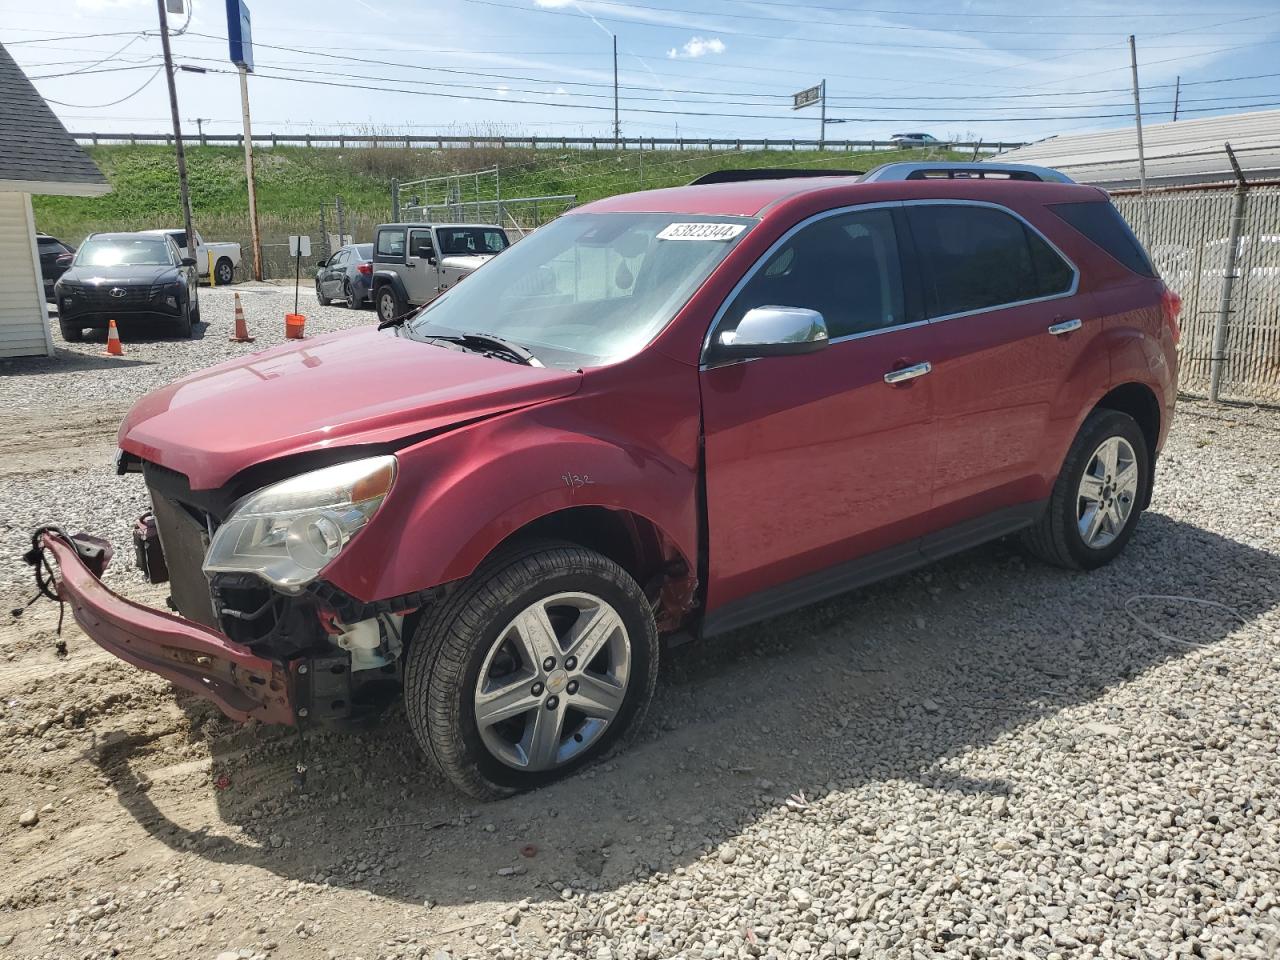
point(122, 275)
point(468, 261)
point(357, 387)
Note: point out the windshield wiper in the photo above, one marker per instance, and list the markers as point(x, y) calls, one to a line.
point(490, 344)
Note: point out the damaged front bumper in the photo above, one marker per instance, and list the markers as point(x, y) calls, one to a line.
point(192, 656)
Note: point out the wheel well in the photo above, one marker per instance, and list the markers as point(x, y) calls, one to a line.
point(1139, 402)
point(633, 542)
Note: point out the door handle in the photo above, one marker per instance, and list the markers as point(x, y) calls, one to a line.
point(908, 373)
point(1066, 326)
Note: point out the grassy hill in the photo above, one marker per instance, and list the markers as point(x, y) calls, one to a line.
point(292, 183)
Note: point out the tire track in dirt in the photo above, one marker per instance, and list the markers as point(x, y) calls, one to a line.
point(37, 442)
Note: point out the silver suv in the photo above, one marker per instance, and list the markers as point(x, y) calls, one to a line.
point(413, 263)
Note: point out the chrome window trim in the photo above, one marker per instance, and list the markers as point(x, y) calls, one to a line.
point(883, 204)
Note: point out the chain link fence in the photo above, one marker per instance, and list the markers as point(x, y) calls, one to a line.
point(1188, 237)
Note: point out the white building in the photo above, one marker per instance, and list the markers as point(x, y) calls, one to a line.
point(37, 155)
point(1185, 152)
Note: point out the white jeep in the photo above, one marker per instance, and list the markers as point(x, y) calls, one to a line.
point(413, 263)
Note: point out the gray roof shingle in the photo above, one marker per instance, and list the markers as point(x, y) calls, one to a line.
point(34, 145)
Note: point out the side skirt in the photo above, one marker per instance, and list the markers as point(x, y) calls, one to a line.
point(870, 569)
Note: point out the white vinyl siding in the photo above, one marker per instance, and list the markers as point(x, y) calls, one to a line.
point(24, 323)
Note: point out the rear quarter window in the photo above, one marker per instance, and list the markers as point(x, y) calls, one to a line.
point(1102, 224)
point(390, 246)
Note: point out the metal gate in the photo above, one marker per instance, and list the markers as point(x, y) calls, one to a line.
point(1188, 237)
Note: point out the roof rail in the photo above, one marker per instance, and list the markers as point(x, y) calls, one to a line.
point(942, 170)
point(768, 173)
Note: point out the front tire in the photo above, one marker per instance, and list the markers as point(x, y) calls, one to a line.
point(320, 297)
point(71, 332)
point(389, 304)
point(183, 329)
point(545, 659)
point(1098, 496)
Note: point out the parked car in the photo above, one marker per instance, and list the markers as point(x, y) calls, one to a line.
point(224, 256)
point(413, 263)
point(127, 277)
point(346, 276)
point(55, 258)
point(664, 415)
point(907, 141)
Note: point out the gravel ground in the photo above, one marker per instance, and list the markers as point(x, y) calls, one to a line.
point(988, 758)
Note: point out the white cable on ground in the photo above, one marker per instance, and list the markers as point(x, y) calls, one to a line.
point(1155, 631)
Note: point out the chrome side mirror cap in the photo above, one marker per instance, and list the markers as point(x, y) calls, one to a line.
point(773, 331)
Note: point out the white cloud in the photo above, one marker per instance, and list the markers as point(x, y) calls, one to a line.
point(697, 47)
point(552, 3)
point(97, 6)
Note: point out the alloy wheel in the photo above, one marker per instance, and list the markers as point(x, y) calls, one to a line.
point(1107, 494)
point(553, 681)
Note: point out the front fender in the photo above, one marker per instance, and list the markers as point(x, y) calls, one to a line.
point(459, 495)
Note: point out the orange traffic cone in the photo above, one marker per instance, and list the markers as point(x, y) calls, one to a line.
point(113, 340)
point(242, 331)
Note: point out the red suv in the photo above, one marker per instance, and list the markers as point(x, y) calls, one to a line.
point(665, 415)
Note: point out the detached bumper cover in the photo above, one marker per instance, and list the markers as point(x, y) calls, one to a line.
point(242, 684)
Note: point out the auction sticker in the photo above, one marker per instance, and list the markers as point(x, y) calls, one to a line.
point(701, 231)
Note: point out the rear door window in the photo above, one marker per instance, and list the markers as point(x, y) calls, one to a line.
point(979, 258)
point(847, 267)
point(1101, 223)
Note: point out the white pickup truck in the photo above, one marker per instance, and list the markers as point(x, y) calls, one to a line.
point(224, 257)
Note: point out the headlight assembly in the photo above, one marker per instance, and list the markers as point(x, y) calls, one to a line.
point(288, 532)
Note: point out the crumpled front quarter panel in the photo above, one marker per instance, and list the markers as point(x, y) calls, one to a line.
point(628, 440)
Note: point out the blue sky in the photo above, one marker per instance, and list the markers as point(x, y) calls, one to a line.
point(990, 69)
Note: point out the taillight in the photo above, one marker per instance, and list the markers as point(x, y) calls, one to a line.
point(1171, 306)
point(364, 269)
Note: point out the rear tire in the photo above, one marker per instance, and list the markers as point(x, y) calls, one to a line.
point(1089, 519)
point(70, 332)
point(348, 294)
point(224, 271)
point(389, 304)
point(486, 643)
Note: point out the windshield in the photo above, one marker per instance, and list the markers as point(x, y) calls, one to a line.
point(587, 289)
point(118, 252)
point(463, 241)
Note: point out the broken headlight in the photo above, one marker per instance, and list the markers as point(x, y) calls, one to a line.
point(288, 532)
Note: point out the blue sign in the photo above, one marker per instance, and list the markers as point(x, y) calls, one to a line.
point(239, 34)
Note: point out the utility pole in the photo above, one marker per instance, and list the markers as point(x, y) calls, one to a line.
point(1137, 119)
point(822, 120)
point(617, 126)
point(1177, 93)
point(183, 192)
point(200, 122)
point(254, 236)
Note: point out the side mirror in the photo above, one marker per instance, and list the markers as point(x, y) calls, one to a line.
point(431, 259)
point(321, 263)
point(188, 261)
point(64, 260)
point(773, 332)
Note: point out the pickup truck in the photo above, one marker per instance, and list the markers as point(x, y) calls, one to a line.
point(413, 263)
point(225, 259)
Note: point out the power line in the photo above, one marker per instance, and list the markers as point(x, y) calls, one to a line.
point(95, 106)
point(764, 36)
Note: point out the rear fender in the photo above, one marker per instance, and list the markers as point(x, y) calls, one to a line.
point(461, 494)
point(394, 280)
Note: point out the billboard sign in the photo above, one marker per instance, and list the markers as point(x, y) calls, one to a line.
point(807, 98)
point(239, 34)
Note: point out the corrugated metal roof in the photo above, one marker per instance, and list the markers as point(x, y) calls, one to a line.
point(34, 146)
point(1188, 151)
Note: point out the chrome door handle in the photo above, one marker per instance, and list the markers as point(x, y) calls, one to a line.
point(1066, 326)
point(908, 373)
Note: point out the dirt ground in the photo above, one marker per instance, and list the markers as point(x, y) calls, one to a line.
point(165, 830)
